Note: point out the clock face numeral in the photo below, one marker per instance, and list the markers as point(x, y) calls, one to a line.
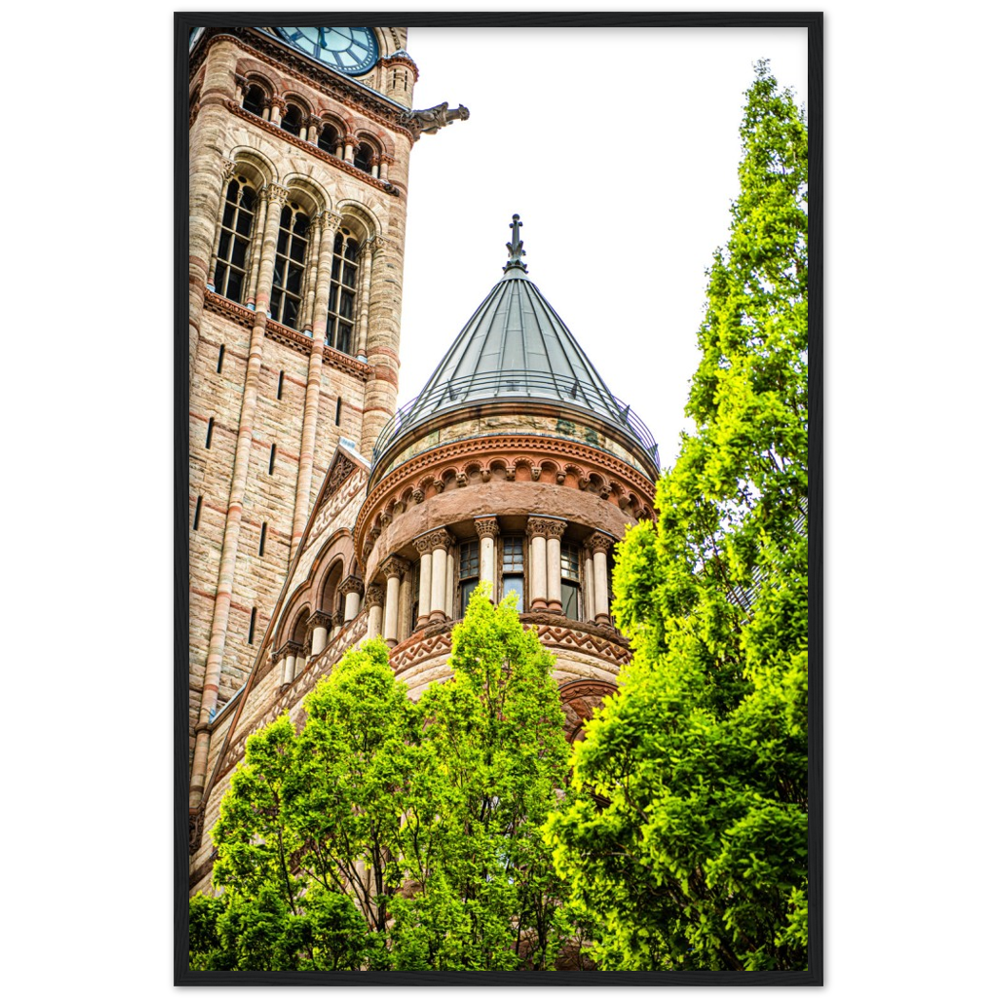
point(351, 50)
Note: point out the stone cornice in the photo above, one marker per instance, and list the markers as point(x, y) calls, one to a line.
point(376, 106)
point(226, 307)
point(487, 447)
point(384, 186)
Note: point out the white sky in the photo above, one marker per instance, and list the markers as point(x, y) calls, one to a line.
point(622, 179)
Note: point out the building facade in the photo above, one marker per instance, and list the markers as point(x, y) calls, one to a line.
point(321, 514)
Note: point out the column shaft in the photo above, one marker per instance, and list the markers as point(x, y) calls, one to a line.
point(424, 605)
point(539, 580)
point(554, 573)
point(391, 623)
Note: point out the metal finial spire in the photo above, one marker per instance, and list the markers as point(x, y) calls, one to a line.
point(515, 248)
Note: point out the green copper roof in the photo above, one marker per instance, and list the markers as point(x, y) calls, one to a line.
point(516, 347)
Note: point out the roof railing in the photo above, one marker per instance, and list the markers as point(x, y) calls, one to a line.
point(516, 384)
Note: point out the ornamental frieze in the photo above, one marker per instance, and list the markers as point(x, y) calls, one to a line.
point(321, 154)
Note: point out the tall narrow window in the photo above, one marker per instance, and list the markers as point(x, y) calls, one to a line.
point(222, 357)
point(364, 157)
point(281, 383)
point(234, 239)
point(270, 463)
point(208, 435)
point(336, 416)
point(468, 572)
point(197, 515)
point(327, 139)
point(343, 283)
point(289, 266)
point(512, 569)
point(254, 101)
point(263, 538)
point(292, 121)
point(570, 569)
point(253, 625)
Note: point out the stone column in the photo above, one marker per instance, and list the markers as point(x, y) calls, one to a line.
point(278, 109)
point(393, 569)
point(351, 588)
point(254, 253)
point(307, 449)
point(319, 625)
point(553, 544)
point(405, 605)
point(440, 542)
point(423, 546)
point(234, 510)
point(488, 530)
point(537, 527)
point(588, 584)
point(339, 149)
point(383, 171)
point(350, 141)
point(361, 346)
point(314, 124)
point(293, 654)
point(374, 602)
point(600, 544)
point(381, 344)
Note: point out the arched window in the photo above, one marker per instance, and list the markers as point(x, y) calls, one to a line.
point(343, 286)
point(364, 157)
point(327, 139)
point(289, 266)
point(570, 572)
point(254, 101)
point(292, 120)
point(234, 239)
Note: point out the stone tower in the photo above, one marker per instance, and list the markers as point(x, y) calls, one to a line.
point(300, 141)
point(514, 465)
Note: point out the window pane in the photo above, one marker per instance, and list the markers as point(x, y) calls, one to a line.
point(282, 242)
point(344, 338)
point(248, 199)
point(570, 562)
point(338, 246)
point(232, 191)
point(294, 283)
point(349, 275)
point(466, 591)
point(235, 286)
point(291, 312)
point(513, 553)
point(571, 600)
point(469, 560)
point(286, 218)
point(347, 305)
point(227, 215)
point(240, 252)
point(224, 245)
point(330, 327)
point(351, 253)
point(244, 222)
point(220, 277)
point(515, 583)
point(276, 302)
point(298, 249)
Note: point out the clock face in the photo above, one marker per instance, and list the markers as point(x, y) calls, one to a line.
point(350, 50)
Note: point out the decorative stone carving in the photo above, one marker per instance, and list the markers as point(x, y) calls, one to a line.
point(440, 538)
point(394, 567)
point(374, 596)
point(487, 526)
point(422, 544)
point(537, 526)
point(430, 120)
point(554, 528)
point(462, 479)
point(319, 619)
point(351, 585)
point(418, 496)
point(536, 472)
point(599, 542)
point(275, 192)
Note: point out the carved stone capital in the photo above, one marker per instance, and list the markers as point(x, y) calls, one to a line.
point(555, 529)
point(291, 648)
point(277, 656)
point(351, 585)
point(350, 139)
point(276, 193)
point(277, 102)
point(329, 220)
point(374, 596)
point(319, 619)
point(228, 170)
point(375, 245)
point(394, 567)
point(487, 527)
point(385, 160)
point(313, 121)
point(440, 538)
point(599, 542)
point(537, 526)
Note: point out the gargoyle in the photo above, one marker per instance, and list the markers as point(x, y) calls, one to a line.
point(431, 119)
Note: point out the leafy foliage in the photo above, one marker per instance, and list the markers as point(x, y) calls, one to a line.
point(389, 834)
point(684, 836)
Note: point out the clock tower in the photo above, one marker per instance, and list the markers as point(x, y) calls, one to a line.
point(299, 157)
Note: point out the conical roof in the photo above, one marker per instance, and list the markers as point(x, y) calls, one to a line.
point(516, 347)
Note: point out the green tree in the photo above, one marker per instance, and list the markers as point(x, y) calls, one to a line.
point(389, 834)
point(684, 836)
